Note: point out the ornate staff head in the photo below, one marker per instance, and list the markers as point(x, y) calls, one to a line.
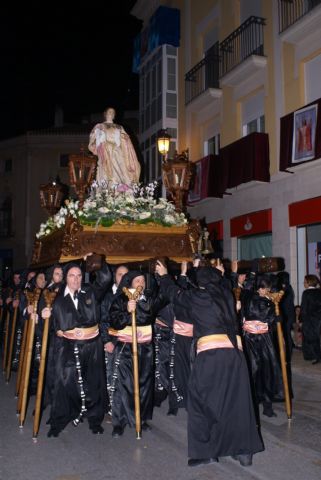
point(33, 297)
point(49, 297)
point(276, 298)
point(133, 293)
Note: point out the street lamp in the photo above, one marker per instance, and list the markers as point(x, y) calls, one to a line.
point(163, 141)
point(177, 173)
point(51, 196)
point(81, 173)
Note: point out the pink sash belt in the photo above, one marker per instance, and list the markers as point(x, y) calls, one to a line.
point(144, 334)
point(159, 322)
point(182, 328)
point(255, 326)
point(81, 333)
point(211, 342)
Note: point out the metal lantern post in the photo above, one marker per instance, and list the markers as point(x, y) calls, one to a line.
point(81, 174)
point(163, 142)
point(50, 197)
point(177, 173)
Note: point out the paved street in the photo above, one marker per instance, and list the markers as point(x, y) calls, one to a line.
point(292, 449)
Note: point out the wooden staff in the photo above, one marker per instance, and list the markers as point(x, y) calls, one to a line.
point(6, 336)
point(133, 294)
point(49, 298)
point(1, 306)
point(1, 315)
point(237, 293)
point(21, 357)
point(276, 298)
point(6, 340)
point(12, 337)
point(30, 341)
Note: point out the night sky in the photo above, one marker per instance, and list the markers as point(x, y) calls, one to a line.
point(62, 54)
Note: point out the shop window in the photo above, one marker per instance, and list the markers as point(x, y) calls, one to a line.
point(254, 246)
point(308, 253)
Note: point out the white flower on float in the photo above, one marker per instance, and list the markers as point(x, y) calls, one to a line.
point(103, 210)
point(169, 219)
point(144, 215)
point(159, 206)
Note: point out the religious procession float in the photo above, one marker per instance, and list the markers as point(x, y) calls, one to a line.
point(125, 223)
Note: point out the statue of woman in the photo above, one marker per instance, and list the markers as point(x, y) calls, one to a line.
point(117, 160)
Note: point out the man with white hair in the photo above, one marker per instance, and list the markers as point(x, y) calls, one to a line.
point(79, 388)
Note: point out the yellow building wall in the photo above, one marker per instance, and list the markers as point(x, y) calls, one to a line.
point(291, 85)
point(191, 132)
point(269, 99)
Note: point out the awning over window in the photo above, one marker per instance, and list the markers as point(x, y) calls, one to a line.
point(305, 212)
point(252, 223)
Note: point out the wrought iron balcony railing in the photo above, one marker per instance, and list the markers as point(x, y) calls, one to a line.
point(201, 77)
point(245, 41)
point(290, 11)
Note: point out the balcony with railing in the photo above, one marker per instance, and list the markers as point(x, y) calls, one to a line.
point(290, 11)
point(243, 162)
point(242, 52)
point(202, 81)
point(298, 19)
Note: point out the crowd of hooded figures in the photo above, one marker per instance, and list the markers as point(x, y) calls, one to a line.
point(200, 347)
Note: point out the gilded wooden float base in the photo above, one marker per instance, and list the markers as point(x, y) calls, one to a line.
point(120, 243)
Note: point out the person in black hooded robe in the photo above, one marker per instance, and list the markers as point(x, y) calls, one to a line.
point(311, 319)
point(122, 389)
point(287, 311)
point(54, 276)
point(258, 330)
point(79, 389)
point(221, 418)
point(13, 299)
point(108, 340)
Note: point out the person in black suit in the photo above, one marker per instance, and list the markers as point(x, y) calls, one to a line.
point(79, 388)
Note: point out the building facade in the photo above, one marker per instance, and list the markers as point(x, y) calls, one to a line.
point(26, 162)
point(248, 110)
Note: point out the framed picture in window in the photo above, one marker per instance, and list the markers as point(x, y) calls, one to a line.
point(304, 128)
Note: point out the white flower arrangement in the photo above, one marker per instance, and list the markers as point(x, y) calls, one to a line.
point(108, 203)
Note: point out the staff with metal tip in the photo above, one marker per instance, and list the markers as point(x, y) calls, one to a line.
point(33, 298)
point(49, 298)
point(276, 298)
point(133, 294)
